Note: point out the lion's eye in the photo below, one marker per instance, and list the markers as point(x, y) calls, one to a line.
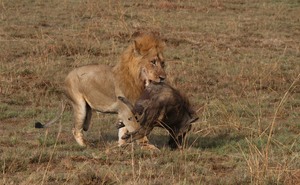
point(162, 64)
point(153, 62)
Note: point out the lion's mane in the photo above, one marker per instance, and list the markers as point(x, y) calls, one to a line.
point(128, 70)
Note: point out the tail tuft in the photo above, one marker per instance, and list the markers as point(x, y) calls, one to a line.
point(38, 125)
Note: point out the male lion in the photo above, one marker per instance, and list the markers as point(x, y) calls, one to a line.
point(96, 87)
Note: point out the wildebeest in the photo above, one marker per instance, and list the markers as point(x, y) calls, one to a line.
point(160, 105)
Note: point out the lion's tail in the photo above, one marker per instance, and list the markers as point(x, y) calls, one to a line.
point(48, 124)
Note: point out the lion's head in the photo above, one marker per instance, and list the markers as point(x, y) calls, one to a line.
point(141, 63)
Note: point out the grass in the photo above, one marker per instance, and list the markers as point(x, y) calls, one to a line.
point(237, 61)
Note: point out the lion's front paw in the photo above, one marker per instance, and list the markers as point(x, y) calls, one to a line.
point(131, 136)
point(126, 136)
point(120, 124)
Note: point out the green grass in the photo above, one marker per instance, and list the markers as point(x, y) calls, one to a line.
point(237, 61)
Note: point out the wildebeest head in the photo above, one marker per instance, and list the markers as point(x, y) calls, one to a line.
point(161, 106)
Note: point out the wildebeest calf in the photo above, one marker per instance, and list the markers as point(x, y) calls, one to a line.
point(160, 105)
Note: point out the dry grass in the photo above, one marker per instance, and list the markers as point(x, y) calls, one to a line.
point(237, 61)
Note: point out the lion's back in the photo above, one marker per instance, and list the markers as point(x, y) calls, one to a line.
point(95, 83)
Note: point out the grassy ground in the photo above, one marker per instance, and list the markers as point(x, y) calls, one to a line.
point(238, 62)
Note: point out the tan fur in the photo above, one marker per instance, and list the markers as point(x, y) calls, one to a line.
point(98, 86)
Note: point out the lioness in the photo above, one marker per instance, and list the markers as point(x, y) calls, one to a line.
point(96, 87)
point(160, 105)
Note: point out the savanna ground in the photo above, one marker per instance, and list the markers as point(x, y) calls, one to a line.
point(237, 61)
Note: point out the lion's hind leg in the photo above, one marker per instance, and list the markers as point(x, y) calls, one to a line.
point(82, 116)
point(88, 117)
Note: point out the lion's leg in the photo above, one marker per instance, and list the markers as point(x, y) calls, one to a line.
point(124, 115)
point(143, 142)
point(122, 132)
point(131, 125)
point(88, 117)
point(80, 114)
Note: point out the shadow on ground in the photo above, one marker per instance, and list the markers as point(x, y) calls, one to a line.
point(194, 141)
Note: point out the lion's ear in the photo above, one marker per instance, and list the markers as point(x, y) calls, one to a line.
point(146, 41)
point(162, 45)
point(142, 45)
point(137, 47)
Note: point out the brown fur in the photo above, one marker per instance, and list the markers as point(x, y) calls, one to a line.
point(97, 86)
point(160, 105)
